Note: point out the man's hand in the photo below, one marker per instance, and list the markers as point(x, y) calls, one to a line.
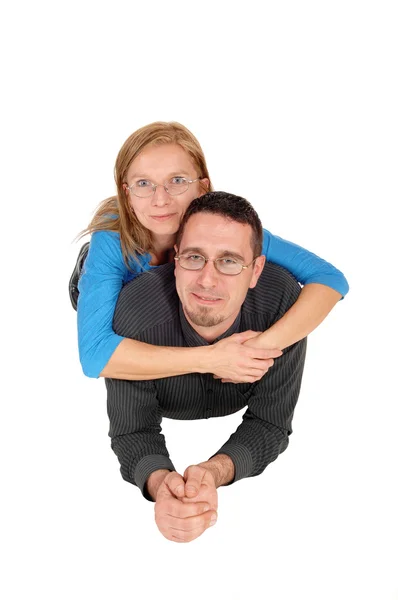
point(200, 486)
point(179, 521)
point(239, 359)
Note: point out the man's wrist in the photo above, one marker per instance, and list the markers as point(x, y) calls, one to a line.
point(154, 482)
point(222, 469)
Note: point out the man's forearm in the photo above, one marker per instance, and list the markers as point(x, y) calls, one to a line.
point(221, 467)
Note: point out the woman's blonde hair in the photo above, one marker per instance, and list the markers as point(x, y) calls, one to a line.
point(115, 213)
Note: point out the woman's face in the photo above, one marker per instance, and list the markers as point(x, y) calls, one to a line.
point(161, 213)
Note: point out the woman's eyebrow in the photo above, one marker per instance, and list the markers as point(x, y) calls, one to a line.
point(182, 172)
point(140, 175)
point(172, 174)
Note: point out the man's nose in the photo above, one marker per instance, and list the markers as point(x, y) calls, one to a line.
point(208, 276)
point(160, 197)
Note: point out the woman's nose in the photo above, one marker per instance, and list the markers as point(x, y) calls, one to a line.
point(160, 197)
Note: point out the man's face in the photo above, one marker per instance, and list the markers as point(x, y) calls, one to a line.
point(210, 299)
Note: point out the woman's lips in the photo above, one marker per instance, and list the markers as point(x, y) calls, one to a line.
point(163, 217)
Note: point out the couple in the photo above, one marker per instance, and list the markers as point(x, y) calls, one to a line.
point(174, 342)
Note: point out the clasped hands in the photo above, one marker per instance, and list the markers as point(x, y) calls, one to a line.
point(186, 505)
point(243, 357)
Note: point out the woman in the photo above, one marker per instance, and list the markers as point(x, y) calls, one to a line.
point(159, 170)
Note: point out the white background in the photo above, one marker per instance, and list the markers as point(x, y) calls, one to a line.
point(295, 105)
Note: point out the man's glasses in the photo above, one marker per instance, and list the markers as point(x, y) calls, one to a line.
point(174, 186)
point(225, 265)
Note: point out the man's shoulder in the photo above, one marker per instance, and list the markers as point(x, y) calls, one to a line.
point(146, 301)
point(276, 291)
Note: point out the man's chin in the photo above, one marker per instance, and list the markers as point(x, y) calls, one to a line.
point(204, 318)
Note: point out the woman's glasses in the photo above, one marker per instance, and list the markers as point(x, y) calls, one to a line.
point(174, 186)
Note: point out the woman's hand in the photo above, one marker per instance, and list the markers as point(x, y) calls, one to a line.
point(235, 361)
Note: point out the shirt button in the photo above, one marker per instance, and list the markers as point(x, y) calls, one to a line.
point(208, 413)
point(209, 391)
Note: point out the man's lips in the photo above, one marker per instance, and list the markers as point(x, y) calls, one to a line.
point(205, 298)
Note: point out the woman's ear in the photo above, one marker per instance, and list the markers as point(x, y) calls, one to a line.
point(205, 184)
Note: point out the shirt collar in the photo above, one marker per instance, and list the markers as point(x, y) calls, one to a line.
point(193, 338)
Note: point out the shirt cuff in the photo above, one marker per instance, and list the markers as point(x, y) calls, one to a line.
point(241, 458)
point(148, 465)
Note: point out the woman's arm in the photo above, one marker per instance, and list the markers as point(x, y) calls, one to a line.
point(310, 309)
point(103, 353)
point(227, 359)
point(100, 283)
point(324, 286)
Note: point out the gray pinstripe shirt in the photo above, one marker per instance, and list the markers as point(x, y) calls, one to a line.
point(149, 310)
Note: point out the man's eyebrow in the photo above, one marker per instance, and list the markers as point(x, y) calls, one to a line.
point(221, 254)
point(231, 254)
point(192, 249)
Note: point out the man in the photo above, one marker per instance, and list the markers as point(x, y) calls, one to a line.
point(223, 287)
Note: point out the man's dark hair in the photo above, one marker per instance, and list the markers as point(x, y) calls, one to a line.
point(229, 206)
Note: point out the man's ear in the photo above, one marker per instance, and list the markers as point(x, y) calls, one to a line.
point(257, 270)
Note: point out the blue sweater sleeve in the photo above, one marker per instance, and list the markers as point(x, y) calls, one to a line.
point(305, 266)
point(104, 273)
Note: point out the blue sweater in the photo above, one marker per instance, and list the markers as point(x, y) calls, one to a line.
point(105, 273)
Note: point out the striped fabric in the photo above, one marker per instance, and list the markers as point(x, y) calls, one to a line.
point(149, 310)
